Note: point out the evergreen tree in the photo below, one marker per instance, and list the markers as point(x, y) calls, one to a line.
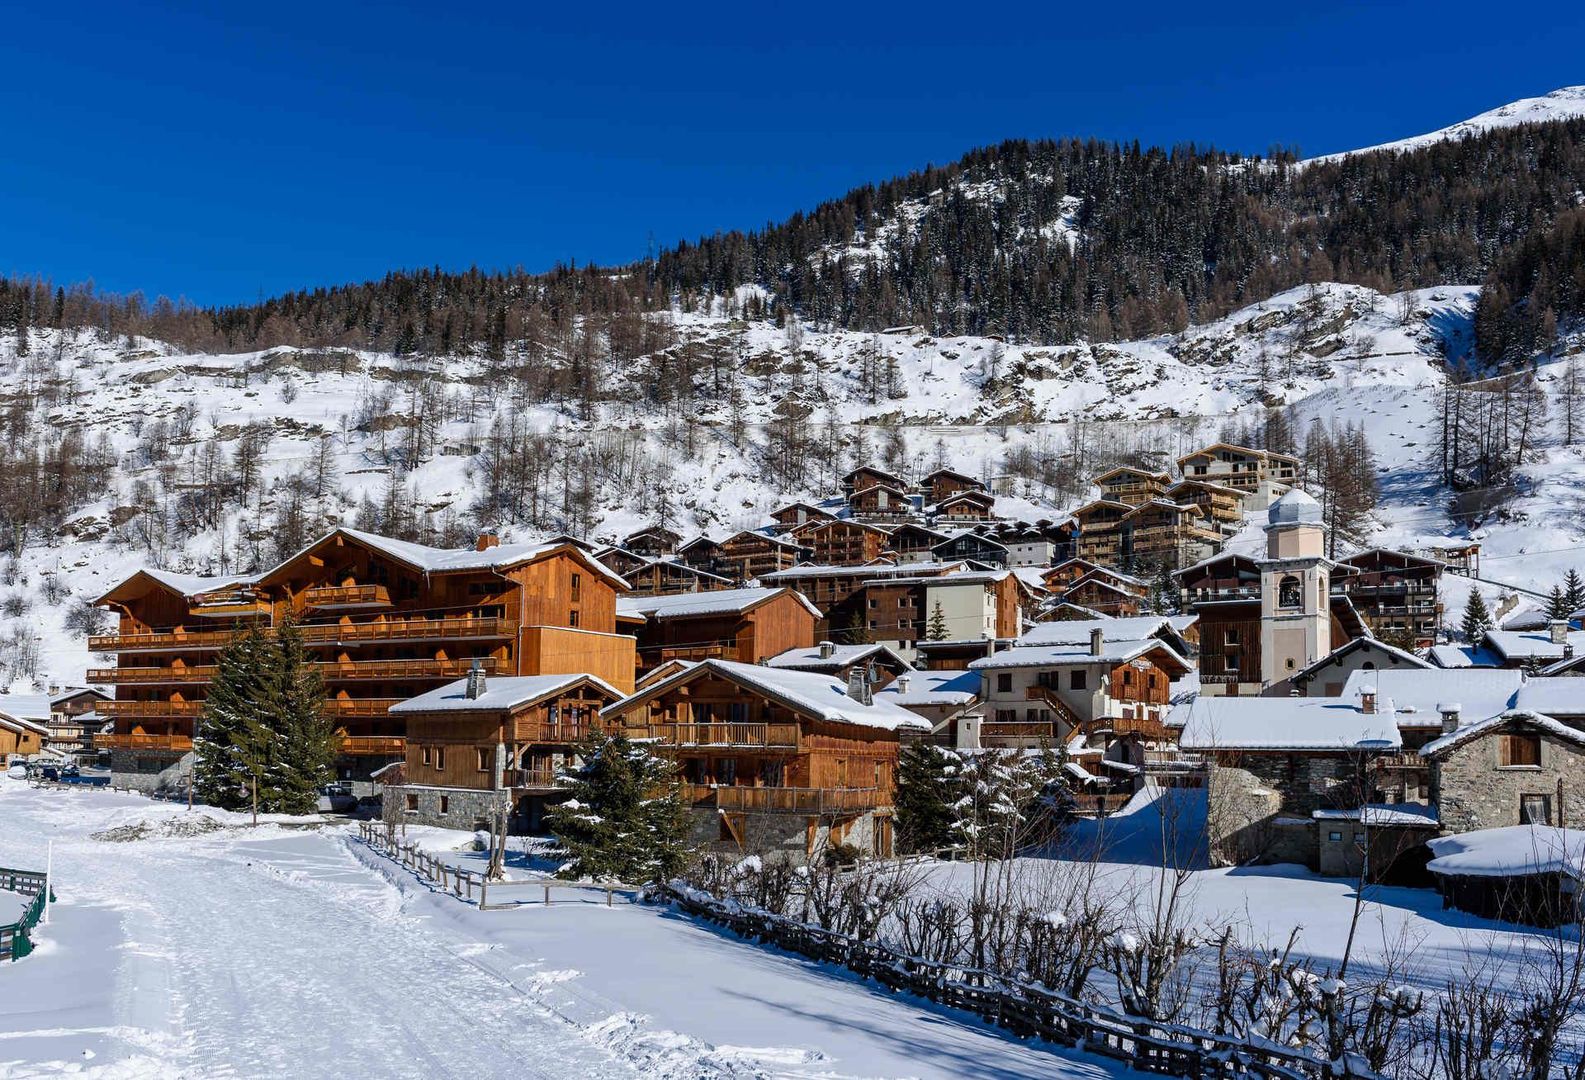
point(305, 739)
point(1573, 591)
point(937, 629)
point(1557, 604)
point(858, 631)
point(1477, 620)
point(625, 820)
point(229, 753)
point(927, 786)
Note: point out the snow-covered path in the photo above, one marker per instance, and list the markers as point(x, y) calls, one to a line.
point(295, 952)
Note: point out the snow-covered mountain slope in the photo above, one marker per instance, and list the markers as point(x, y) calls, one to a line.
point(330, 429)
point(1567, 103)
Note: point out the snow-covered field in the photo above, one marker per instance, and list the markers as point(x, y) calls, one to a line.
point(284, 951)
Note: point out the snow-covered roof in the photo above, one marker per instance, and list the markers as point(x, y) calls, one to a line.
point(1513, 645)
point(874, 570)
point(1514, 851)
point(1408, 659)
point(1286, 723)
point(433, 560)
point(186, 585)
point(1066, 655)
point(694, 604)
point(1417, 692)
point(809, 659)
point(1554, 696)
point(932, 688)
point(35, 708)
point(1074, 631)
point(1297, 507)
point(1417, 815)
point(806, 692)
point(500, 692)
point(1462, 656)
point(18, 724)
point(1466, 732)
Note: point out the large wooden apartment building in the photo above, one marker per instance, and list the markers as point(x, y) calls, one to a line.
point(386, 620)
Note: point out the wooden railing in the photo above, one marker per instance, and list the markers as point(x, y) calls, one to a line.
point(534, 778)
point(329, 596)
point(721, 734)
point(149, 708)
point(702, 652)
point(174, 743)
point(403, 669)
point(561, 733)
point(407, 630)
point(997, 733)
point(157, 640)
point(359, 706)
point(370, 745)
point(147, 675)
point(1054, 702)
point(793, 800)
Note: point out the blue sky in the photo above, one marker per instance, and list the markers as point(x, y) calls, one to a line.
point(221, 156)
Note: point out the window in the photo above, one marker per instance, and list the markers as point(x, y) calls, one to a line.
point(1535, 810)
point(1004, 683)
point(1078, 680)
point(1289, 663)
point(1006, 716)
point(577, 585)
point(1230, 664)
point(484, 758)
point(1231, 637)
point(1335, 837)
point(1288, 595)
point(1518, 751)
point(1128, 676)
point(423, 755)
point(874, 603)
point(440, 757)
point(445, 804)
point(572, 619)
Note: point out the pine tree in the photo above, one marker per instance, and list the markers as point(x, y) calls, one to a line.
point(1573, 591)
point(937, 630)
point(1557, 604)
point(1477, 620)
point(306, 739)
point(927, 786)
point(858, 631)
point(229, 754)
point(625, 819)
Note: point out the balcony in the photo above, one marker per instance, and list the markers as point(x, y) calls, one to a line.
point(176, 744)
point(152, 676)
point(543, 778)
point(373, 745)
point(346, 597)
point(562, 733)
point(784, 736)
point(449, 629)
point(163, 710)
point(792, 800)
point(1015, 733)
point(703, 652)
point(160, 641)
point(359, 707)
point(402, 669)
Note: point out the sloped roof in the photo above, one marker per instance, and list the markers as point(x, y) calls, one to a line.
point(926, 688)
point(1046, 656)
point(1077, 631)
point(1354, 645)
point(841, 656)
point(870, 570)
point(500, 692)
point(1453, 657)
point(1554, 696)
point(694, 604)
point(185, 585)
point(1527, 644)
point(1286, 723)
point(1466, 732)
point(1479, 692)
point(433, 560)
point(806, 692)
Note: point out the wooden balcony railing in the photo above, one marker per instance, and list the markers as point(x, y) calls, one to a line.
point(231, 608)
point(382, 745)
point(1005, 732)
point(160, 641)
point(174, 743)
point(347, 596)
point(1150, 728)
point(149, 708)
point(703, 652)
point(722, 734)
point(455, 629)
point(341, 707)
point(151, 675)
point(403, 669)
point(563, 733)
point(792, 800)
point(534, 778)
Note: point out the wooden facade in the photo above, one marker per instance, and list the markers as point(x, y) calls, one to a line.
point(748, 555)
point(944, 483)
point(748, 634)
point(868, 476)
point(795, 514)
point(966, 506)
point(1395, 593)
point(1100, 537)
point(384, 621)
point(911, 542)
point(880, 502)
point(844, 543)
point(663, 577)
point(1126, 484)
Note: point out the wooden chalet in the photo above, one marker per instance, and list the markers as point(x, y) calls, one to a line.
point(965, 506)
point(747, 555)
point(829, 587)
point(480, 746)
point(973, 546)
point(1240, 467)
point(1126, 484)
point(621, 560)
point(1101, 529)
point(385, 619)
point(912, 542)
point(843, 543)
point(1395, 593)
point(945, 483)
point(775, 760)
point(880, 502)
point(1101, 592)
point(746, 625)
point(799, 513)
point(868, 476)
point(880, 663)
point(1223, 506)
point(20, 738)
point(654, 541)
point(1159, 532)
point(1068, 572)
point(703, 553)
point(664, 577)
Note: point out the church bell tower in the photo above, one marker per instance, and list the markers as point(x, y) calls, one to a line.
point(1295, 584)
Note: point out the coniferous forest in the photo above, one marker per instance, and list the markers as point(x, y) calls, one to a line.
point(1038, 241)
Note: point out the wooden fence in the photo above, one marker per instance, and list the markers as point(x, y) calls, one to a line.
point(466, 885)
point(1026, 1009)
point(14, 940)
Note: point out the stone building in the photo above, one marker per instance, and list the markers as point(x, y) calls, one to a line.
point(1519, 768)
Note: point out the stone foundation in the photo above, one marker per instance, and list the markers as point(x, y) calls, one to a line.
point(150, 773)
point(464, 808)
point(788, 835)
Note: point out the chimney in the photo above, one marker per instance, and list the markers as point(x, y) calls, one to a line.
point(902, 683)
point(827, 649)
point(1559, 628)
point(1449, 711)
point(859, 685)
point(487, 539)
point(475, 687)
point(1095, 641)
point(1367, 702)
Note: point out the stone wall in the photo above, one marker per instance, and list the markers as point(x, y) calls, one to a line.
point(149, 773)
point(1259, 805)
point(1473, 792)
point(779, 834)
point(466, 808)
